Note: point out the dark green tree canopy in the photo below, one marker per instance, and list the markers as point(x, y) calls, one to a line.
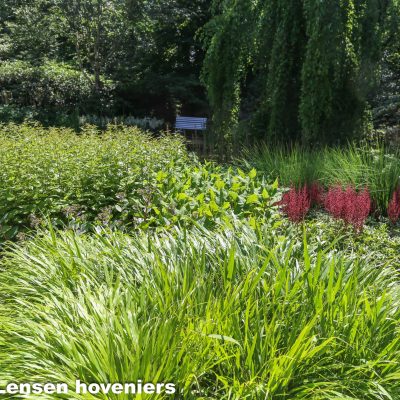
point(148, 48)
point(299, 70)
point(295, 69)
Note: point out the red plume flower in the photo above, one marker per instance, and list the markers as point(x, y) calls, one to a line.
point(296, 203)
point(394, 206)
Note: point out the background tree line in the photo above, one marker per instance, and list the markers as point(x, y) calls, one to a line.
point(304, 70)
point(134, 57)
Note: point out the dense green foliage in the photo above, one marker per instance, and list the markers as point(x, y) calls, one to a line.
point(233, 315)
point(53, 87)
point(123, 257)
point(120, 178)
point(386, 101)
point(298, 70)
point(366, 166)
point(147, 48)
point(167, 269)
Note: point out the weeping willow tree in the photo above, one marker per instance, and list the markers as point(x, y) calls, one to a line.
point(297, 70)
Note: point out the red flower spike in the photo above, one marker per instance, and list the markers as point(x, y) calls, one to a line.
point(394, 207)
point(316, 194)
point(334, 201)
point(349, 205)
point(296, 203)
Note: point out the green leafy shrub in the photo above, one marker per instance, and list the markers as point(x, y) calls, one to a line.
point(51, 86)
point(238, 314)
point(15, 114)
point(122, 178)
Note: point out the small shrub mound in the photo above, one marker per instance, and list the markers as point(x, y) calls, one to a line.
point(81, 179)
point(52, 87)
point(122, 178)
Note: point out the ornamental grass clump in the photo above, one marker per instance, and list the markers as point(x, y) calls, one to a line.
point(228, 315)
point(296, 203)
point(349, 205)
point(374, 166)
point(394, 206)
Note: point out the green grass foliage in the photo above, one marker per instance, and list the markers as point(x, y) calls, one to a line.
point(239, 314)
point(370, 166)
point(171, 270)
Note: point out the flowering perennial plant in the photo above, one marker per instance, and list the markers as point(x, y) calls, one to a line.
point(316, 193)
point(351, 206)
point(347, 204)
point(334, 201)
point(394, 206)
point(295, 203)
